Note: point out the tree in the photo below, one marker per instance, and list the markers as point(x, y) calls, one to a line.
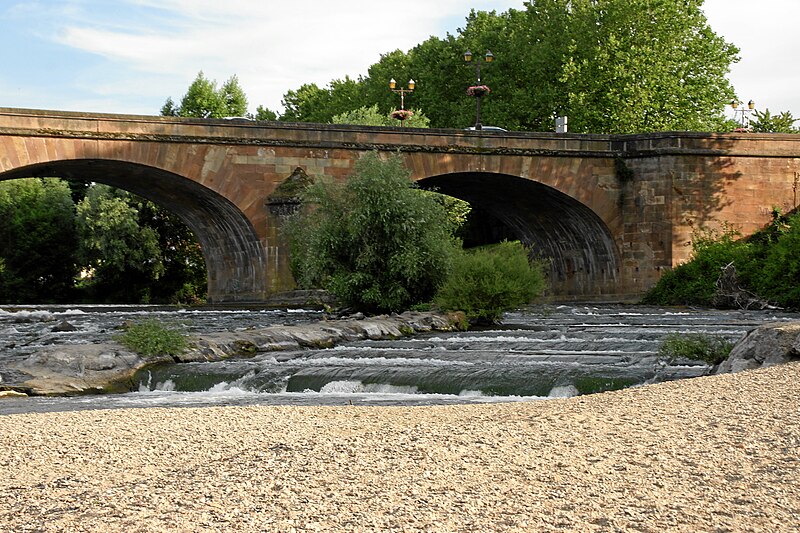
point(204, 100)
point(310, 103)
point(768, 123)
point(645, 65)
point(122, 258)
point(184, 277)
point(37, 241)
point(264, 113)
point(457, 210)
point(612, 66)
point(371, 116)
point(372, 241)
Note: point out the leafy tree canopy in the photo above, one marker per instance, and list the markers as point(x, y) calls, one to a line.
point(310, 103)
point(122, 256)
point(371, 116)
point(372, 241)
point(37, 241)
point(204, 100)
point(612, 66)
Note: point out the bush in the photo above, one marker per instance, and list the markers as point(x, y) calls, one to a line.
point(780, 268)
point(488, 281)
point(767, 264)
point(694, 282)
point(150, 338)
point(374, 241)
point(699, 346)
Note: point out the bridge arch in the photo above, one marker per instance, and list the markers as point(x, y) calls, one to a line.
point(578, 244)
point(235, 259)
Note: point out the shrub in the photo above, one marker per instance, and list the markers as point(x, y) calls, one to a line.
point(780, 270)
point(374, 241)
point(767, 264)
point(694, 282)
point(487, 281)
point(151, 338)
point(699, 346)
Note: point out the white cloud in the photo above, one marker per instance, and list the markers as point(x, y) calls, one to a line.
point(128, 56)
point(766, 33)
point(272, 47)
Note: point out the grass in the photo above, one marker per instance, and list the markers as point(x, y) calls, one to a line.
point(151, 338)
point(698, 346)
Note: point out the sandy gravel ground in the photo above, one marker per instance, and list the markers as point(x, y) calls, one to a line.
point(710, 454)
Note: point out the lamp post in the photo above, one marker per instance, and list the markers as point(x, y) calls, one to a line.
point(402, 114)
point(478, 90)
point(745, 113)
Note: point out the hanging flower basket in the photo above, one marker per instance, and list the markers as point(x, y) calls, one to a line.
point(401, 114)
point(478, 90)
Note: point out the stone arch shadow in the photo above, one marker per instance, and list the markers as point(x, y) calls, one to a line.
point(573, 239)
point(235, 259)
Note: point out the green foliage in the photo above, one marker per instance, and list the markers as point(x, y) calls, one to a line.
point(373, 241)
point(133, 251)
point(120, 255)
point(612, 66)
point(310, 103)
point(151, 338)
point(264, 113)
point(638, 65)
point(778, 279)
point(184, 276)
point(204, 100)
point(363, 116)
point(457, 210)
point(698, 346)
point(694, 282)
point(488, 281)
point(371, 116)
point(37, 241)
point(767, 264)
point(111, 237)
point(767, 123)
point(123, 248)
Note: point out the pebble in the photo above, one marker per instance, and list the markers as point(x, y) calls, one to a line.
point(678, 456)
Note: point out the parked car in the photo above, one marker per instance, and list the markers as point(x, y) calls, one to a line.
point(486, 128)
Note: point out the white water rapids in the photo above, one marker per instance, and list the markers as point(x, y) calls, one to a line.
point(539, 352)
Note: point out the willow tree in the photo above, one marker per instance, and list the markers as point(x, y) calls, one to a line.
point(372, 241)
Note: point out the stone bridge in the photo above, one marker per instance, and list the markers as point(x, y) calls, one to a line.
point(610, 212)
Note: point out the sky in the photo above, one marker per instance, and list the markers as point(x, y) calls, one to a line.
point(128, 56)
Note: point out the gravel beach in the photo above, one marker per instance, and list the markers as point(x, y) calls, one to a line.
point(718, 453)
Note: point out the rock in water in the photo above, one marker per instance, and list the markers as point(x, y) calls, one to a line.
point(767, 345)
point(64, 326)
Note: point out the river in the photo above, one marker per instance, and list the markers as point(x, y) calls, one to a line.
point(540, 352)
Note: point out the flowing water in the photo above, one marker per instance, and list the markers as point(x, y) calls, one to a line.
point(539, 352)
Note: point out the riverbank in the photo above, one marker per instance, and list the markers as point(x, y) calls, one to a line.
point(716, 453)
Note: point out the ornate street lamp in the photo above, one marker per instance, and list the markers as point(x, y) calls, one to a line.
point(478, 90)
point(744, 113)
point(402, 114)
